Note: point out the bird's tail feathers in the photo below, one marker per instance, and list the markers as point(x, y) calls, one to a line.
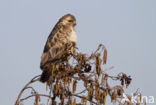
point(45, 76)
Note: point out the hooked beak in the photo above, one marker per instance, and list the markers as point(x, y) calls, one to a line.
point(74, 22)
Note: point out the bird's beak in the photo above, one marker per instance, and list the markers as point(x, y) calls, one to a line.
point(74, 22)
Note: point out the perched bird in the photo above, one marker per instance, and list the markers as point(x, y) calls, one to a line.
point(62, 36)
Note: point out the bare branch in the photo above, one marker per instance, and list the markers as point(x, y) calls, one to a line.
point(43, 95)
point(25, 87)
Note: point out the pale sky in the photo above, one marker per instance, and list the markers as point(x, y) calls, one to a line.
point(126, 27)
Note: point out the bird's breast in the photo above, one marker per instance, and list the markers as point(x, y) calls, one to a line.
point(73, 36)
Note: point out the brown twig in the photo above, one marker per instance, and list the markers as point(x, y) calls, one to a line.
point(84, 98)
point(25, 87)
point(43, 95)
point(31, 89)
point(82, 91)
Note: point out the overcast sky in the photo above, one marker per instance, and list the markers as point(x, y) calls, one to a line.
point(126, 27)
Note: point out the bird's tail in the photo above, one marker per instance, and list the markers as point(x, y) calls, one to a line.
point(45, 76)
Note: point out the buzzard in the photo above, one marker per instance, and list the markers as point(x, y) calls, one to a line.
point(61, 38)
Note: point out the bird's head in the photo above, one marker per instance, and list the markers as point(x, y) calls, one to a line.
point(68, 19)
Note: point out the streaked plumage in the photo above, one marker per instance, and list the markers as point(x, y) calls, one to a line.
point(63, 34)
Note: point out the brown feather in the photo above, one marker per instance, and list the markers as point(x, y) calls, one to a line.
point(56, 44)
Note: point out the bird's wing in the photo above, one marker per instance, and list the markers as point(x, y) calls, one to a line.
point(55, 44)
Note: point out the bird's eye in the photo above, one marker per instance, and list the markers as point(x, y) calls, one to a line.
point(70, 20)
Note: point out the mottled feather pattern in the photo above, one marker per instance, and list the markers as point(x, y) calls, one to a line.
point(63, 34)
point(56, 43)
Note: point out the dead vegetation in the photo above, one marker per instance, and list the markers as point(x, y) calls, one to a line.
point(87, 71)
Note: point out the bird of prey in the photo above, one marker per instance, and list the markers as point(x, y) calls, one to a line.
point(61, 37)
